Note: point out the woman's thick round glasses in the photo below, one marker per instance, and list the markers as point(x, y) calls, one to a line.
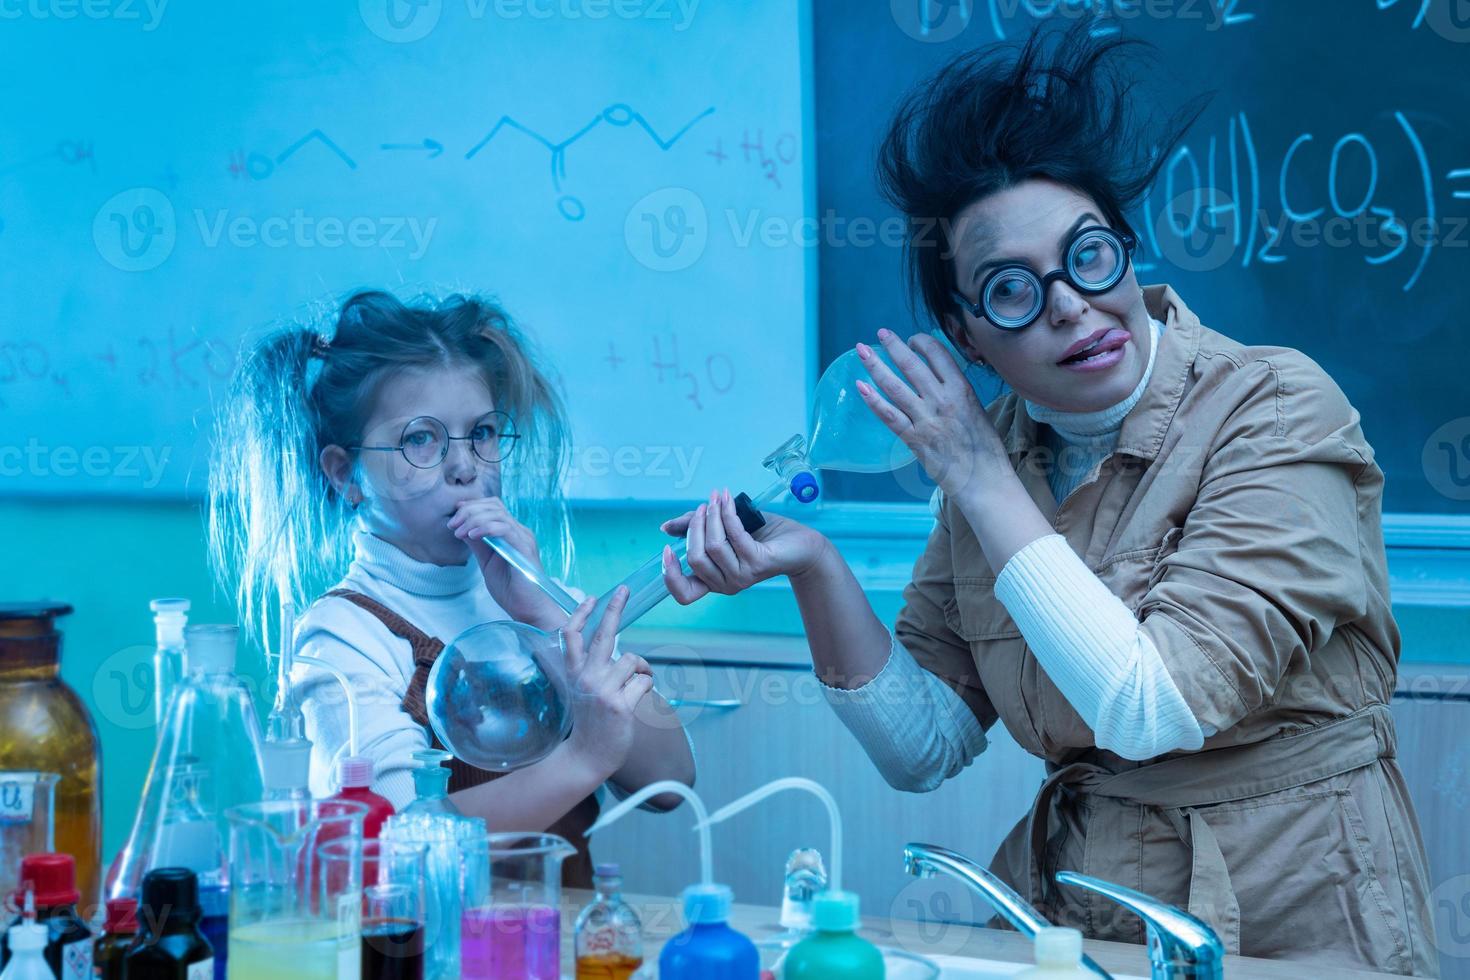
point(1013, 296)
point(425, 440)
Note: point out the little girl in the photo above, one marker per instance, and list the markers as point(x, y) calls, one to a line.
point(398, 443)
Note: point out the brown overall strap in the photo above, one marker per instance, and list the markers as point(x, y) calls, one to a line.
point(425, 650)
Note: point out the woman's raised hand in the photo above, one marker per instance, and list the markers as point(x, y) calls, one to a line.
point(936, 414)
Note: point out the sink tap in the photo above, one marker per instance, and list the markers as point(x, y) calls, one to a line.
point(927, 860)
point(805, 877)
point(1179, 944)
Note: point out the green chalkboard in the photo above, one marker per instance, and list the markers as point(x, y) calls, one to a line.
point(1342, 126)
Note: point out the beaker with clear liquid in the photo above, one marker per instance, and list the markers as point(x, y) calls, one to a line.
point(289, 918)
point(27, 822)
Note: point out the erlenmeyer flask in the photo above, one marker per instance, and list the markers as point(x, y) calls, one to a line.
point(207, 759)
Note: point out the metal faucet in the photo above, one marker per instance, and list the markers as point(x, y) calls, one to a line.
point(927, 860)
point(1179, 944)
point(806, 875)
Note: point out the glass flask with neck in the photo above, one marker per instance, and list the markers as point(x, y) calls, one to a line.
point(207, 759)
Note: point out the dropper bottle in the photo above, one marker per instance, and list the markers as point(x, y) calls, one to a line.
point(27, 942)
point(708, 949)
point(834, 951)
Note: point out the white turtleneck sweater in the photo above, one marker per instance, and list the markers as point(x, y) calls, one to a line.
point(441, 600)
point(1084, 637)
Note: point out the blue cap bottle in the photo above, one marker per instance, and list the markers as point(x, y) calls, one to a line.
point(709, 949)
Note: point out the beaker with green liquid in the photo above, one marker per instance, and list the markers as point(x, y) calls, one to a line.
point(291, 917)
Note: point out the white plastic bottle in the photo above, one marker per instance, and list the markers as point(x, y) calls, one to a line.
point(27, 943)
point(1058, 957)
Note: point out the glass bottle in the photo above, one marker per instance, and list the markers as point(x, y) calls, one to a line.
point(170, 616)
point(169, 945)
point(44, 727)
point(27, 805)
point(609, 934)
point(431, 782)
point(118, 931)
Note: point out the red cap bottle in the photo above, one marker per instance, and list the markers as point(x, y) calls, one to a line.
point(52, 878)
point(120, 930)
point(356, 773)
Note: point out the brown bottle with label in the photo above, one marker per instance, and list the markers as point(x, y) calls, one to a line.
point(45, 728)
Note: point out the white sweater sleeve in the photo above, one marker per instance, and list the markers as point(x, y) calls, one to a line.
point(913, 726)
point(1092, 648)
point(385, 732)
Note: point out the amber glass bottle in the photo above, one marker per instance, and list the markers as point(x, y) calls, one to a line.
point(44, 727)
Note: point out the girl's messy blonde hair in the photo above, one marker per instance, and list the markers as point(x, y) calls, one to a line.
point(276, 524)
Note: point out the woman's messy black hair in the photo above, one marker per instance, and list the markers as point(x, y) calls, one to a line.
point(1060, 106)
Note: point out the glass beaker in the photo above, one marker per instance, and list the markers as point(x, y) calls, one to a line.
point(288, 917)
point(27, 822)
point(393, 902)
point(511, 925)
point(447, 839)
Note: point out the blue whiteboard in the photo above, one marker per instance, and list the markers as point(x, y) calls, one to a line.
point(177, 178)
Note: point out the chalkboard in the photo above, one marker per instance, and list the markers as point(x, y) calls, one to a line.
point(175, 178)
point(1342, 125)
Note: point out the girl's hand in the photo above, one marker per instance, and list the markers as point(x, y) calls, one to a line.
point(726, 558)
point(936, 414)
point(522, 600)
point(605, 692)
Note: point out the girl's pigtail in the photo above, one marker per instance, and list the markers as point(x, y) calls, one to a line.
point(274, 520)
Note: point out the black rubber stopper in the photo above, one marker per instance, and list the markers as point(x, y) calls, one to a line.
point(750, 518)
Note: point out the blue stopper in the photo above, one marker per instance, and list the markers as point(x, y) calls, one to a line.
point(804, 487)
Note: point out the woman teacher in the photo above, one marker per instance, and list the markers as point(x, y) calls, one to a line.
point(1157, 560)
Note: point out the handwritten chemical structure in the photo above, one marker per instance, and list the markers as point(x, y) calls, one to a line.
point(1242, 206)
point(169, 361)
point(773, 164)
point(68, 152)
point(254, 165)
point(942, 20)
point(1448, 18)
point(711, 376)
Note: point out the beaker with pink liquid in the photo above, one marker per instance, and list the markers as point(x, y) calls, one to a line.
point(510, 924)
